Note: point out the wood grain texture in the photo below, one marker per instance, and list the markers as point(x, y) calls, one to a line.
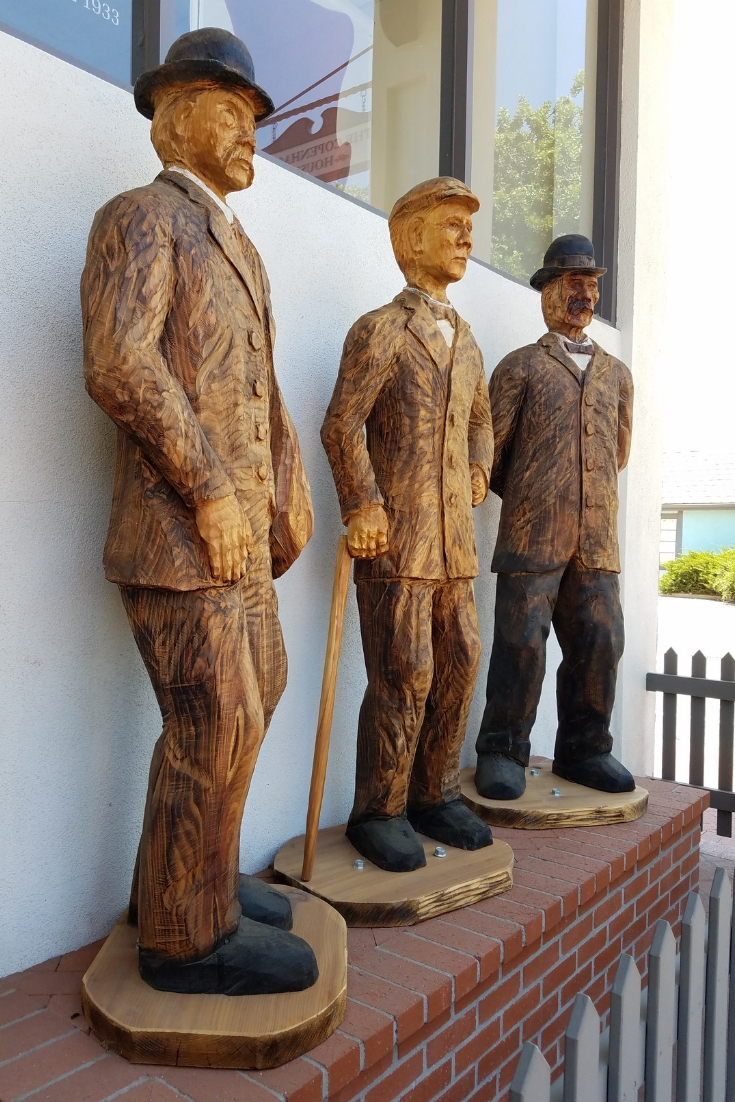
point(537, 809)
point(371, 897)
point(219, 1031)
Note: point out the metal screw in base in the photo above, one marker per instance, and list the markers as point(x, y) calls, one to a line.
point(358, 864)
point(534, 772)
point(440, 852)
point(555, 792)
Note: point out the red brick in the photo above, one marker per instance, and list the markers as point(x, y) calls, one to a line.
point(557, 976)
point(364, 1080)
point(499, 997)
point(541, 963)
point(594, 867)
point(567, 894)
point(428, 1087)
point(589, 949)
point(69, 1009)
point(635, 887)
point(604, 911)
point(529, 916)
point(621, 921)
point(509, 935)
point(555, 1030)
point(460, 967)
point(39, 1029)
point(614, 858)
point(297, 1081)
point(471, 1052)
point(397, 1080)
point(373, 1028)
point(496, 1057)
point(577, 983)
point(577, 933)
point(535, 1022)
point(59, 1058)
point(48, 983)
point(486, 951)
point(15, 1005)
point(154, 1091)
point(549, 905)
point(451, 1037)
point(212, 1085)
point(634, 931)
point(563, 872)
point(435, 987)
point(604, 958)
point(658, 910)
point(429, 1029)
point(406, 1009)
point(460, 1089)
point(521, 1007)
point(80, 959)
point(487, 1091)
point(339, 1055)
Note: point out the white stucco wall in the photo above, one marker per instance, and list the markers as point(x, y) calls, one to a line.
point(78, 717)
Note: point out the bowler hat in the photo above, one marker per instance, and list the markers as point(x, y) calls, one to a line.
point(207, 54)
point(430, 192)
point(572, 252)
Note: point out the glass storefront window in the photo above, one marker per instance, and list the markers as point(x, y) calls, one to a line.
point(356, 84)
point(533, 127)
point(95, 34)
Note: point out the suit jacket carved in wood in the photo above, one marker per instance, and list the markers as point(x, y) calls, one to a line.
point(561, 437)
point(407, 417)
point(178, 335)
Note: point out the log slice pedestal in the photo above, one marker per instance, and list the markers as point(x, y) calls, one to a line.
point(218, 1031)
point(539, 809)
point(372, 897)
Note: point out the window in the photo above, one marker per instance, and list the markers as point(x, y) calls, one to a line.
point(518, 97)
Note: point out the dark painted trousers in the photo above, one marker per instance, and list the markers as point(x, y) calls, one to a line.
point(422, 651)
point(217, 663)
point(584, 607)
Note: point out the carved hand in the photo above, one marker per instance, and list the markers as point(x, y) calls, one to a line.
point(225, 529)
point(367, 533)
point(479, 484)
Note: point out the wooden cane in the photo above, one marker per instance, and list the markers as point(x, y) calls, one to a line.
point(326, 704)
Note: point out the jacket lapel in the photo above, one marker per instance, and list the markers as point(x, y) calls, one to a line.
point(222, 232)
point(552, 346)
point(424, 328)
point(599, 363)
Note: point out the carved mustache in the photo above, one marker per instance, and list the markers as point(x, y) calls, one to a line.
point(579, 305)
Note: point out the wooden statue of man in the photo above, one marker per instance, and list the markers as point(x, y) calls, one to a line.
point(409, 439)
point(210, 502)
point(562, 415)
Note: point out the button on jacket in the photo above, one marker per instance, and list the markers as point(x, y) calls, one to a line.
point(178, 339)
point(561, 437)
point(407, 418)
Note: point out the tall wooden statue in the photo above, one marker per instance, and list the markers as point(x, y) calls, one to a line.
point(562, 413)
point(409, 439)
point(210, 502)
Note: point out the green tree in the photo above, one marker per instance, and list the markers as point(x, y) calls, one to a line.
point(537, 180)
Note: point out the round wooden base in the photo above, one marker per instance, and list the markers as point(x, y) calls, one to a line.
point(218, 1031)
point(538, 809)
point(371, 897)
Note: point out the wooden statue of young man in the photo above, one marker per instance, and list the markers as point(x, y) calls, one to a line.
point(210, 502)
point(409, 439)
point(562, 414)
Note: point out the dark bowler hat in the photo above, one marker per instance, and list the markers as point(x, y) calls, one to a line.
point(572, 252)
point(207, 54)
point(429, 193)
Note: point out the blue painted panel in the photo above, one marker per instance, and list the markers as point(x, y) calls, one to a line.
point(95, 32)
point(707, 529)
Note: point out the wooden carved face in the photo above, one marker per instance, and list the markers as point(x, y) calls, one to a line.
point(209, 129)
point(443, 241)
point(569, 301)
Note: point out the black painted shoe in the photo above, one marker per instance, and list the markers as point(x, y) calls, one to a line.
point(255, 960)
point(453, 824)
point(264, 903)
point(602, 772)
point(499, 778)
point(391, 844)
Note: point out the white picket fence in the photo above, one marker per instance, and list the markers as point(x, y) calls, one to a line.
point(669, 1043)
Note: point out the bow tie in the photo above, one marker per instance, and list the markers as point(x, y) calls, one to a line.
point(584, 349)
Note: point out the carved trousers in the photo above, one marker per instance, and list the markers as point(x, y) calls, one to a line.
point(422, 651)
point(218, 667)
point(584, 607)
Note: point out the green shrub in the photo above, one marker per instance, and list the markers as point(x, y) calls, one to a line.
point(706, 573)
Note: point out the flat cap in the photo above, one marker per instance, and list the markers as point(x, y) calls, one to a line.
point(431, 192)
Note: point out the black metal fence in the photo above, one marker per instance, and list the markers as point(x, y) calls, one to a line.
point(700, 688)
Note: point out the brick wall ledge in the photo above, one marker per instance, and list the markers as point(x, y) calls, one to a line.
point(436, 1012)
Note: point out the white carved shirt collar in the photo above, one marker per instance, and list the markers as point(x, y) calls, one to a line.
point(226, 210)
